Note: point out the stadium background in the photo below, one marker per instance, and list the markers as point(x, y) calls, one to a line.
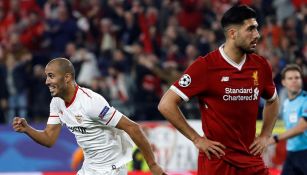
point(129, 51)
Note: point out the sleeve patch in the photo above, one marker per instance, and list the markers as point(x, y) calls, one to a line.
point(104, 112)
point(185, 80)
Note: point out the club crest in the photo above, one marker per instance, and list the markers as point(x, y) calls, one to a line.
point(79, 118)
point(255, 77)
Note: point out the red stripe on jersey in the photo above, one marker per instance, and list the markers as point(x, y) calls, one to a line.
point(111, 117)
point(73, 98)
point(84, 92)
point(53, 116)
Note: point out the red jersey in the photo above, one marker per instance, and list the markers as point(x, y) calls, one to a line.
point(229, 94)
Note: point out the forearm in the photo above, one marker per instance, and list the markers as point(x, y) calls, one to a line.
point(297, 130)
point(270, 114)
point(39, 136)
point(289, 134)
point(174, 115)
point(46, 137)
point(139, 138)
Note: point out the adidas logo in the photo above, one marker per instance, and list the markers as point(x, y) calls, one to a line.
point(225, 79)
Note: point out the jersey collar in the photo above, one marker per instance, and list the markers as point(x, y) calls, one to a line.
point(229, 60)
point(298, 94)
point(73, 98)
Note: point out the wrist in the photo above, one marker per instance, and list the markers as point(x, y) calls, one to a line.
point(27, 129)
point(265, 135)
point(196, 139)
point(150, 165)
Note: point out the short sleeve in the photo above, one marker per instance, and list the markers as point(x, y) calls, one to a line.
point(269, 90)
point(98, 109)
point(304, 109)
point(192, 82)
point(54, 113)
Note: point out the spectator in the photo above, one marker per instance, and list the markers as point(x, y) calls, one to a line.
point(17, 85)
point(85, 64)
point(121, 89)
point(39, 94)
point(3, 90)
point(60, 30)
point(112, 30)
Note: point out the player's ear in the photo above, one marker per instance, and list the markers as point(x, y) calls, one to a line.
point(283, 82)
point(67, 77)
point(232, 32)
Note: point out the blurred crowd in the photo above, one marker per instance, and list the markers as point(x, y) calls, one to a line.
point(130, 51)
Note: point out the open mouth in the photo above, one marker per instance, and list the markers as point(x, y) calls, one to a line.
point(51, 88)
point(254, 44)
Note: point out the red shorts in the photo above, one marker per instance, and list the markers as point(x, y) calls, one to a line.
point(217, 166)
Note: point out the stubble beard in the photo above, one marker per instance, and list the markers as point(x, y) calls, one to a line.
point(245, 50)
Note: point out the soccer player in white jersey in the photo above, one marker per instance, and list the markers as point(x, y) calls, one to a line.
point(100, 130)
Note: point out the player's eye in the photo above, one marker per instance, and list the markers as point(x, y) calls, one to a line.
point(51, 76)
point(251, 28)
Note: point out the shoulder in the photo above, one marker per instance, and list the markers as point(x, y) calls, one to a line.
point(259, 59)
point(207, 59)
point(211, 56)
point(89, 97)
point(55, 100)
point(304, 97)
point(55, 103)
point(304, 94)
point(85, 92)
point(88, 94)
point(304, 101)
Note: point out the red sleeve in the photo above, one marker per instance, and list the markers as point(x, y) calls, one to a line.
point(269, 90)
point(193, 81)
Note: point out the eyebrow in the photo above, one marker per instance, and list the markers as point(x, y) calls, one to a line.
point(252, 26)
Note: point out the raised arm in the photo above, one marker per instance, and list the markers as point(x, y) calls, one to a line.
point(137, 135)
point(169, 108)
point(46, 137)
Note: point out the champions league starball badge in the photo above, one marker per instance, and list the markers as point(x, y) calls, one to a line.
point(185, 80)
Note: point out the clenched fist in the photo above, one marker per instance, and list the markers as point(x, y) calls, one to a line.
point(20, 124)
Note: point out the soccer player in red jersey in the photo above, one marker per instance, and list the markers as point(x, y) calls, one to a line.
point(228, 83)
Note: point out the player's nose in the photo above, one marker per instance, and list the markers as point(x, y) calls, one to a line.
point(47, 81)
point(257, 34)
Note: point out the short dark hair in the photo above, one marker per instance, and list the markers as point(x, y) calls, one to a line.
point(291, 67)
point(236, 15)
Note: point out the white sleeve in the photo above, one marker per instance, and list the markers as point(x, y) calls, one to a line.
point(54, 113)
point(98, 109)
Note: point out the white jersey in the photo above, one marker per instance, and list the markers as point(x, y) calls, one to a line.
point(90, 118)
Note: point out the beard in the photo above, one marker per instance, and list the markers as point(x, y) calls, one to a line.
point(247, 50)
point(244, 46)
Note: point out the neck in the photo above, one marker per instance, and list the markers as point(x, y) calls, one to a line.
point(70, 92)
point(292, 95)
point(234, 53)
